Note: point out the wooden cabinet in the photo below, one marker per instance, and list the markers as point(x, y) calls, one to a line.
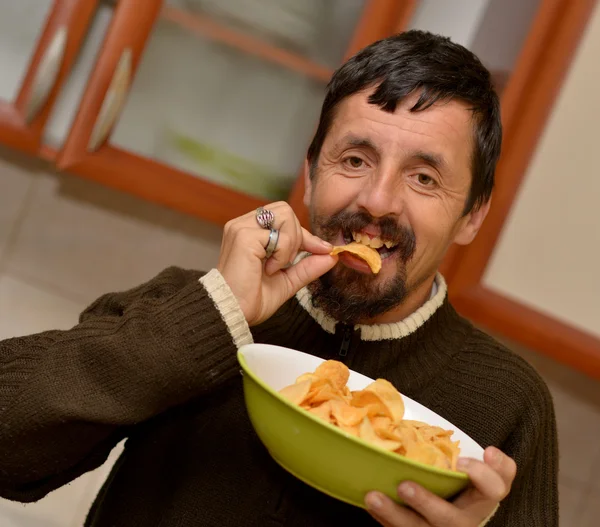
point(205, 106)
point(41, 39)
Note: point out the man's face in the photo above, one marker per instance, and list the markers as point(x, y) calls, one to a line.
point(401, 177)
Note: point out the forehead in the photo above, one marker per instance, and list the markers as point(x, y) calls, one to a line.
point(446, 128)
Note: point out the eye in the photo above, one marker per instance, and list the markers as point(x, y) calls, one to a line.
point(425, 180)
point(354, 162)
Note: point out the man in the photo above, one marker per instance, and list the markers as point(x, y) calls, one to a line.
point(403, 160)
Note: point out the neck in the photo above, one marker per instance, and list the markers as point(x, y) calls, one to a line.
point(414, 300)
point(423, 310)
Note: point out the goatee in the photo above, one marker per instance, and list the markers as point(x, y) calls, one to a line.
point(348, 295)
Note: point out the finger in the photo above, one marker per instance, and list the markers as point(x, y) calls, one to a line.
point(435, 510)
point(285, 251)
point(501, 463)
point(485, 480)
point(314, 244)
point(306, 271)
point(391, 514)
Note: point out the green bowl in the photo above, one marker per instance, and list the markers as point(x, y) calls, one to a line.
point(322, 455)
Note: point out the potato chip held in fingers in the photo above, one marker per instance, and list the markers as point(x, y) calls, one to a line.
point(368, 254)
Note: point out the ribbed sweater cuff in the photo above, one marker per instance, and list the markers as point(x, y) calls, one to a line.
point(228, 307)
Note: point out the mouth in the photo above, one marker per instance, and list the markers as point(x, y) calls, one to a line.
point(385, 248)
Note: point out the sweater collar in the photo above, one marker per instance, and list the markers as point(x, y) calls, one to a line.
point(394, 330)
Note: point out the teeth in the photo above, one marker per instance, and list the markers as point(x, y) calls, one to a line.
point(375, 243)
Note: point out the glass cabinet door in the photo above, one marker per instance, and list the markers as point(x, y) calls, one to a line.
point(230, 91)
point(38, 40)
point(225, 92)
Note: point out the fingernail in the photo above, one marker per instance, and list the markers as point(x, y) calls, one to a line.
point(326, 244)
point(374, 501)
point(463, 463)
point(406, 490)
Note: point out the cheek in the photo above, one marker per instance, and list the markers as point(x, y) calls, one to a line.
point(333, 193)
point(433, 231)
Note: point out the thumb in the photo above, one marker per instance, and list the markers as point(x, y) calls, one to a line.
point(308, 270)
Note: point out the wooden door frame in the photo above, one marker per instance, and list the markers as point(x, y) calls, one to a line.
point(15, 132)
point(527, 103)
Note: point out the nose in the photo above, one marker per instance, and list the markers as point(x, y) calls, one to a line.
point(382, 194)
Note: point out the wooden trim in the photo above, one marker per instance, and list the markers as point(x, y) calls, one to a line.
point(206, 27)
point(531, 328)
point(130, 28)
point(164, 185)
point(380, 19)
point(527, 102)
point(14, 131)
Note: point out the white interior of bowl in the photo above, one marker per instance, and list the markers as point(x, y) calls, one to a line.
point(279, 367)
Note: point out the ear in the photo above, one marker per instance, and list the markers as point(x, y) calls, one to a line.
point(471, 224)
point(307, 184)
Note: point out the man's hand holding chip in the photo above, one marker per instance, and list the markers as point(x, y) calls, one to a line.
point(491, 483)
point(263, 282)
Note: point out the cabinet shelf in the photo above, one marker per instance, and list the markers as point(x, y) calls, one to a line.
point(210, 28)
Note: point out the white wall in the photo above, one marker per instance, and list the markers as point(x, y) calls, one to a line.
point(457, 19)
point(549, 253)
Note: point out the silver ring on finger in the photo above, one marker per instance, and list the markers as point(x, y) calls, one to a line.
point(265, 218)
point(271, 246)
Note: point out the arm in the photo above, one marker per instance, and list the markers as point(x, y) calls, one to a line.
point(68, 397)
point(533, 500)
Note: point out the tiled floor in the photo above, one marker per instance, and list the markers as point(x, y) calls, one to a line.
point(64, 241)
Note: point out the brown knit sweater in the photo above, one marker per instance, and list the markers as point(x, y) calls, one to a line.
point(157, 365)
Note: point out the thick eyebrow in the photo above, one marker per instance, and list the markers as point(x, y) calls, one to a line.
point(354, 140)
point(436, 161)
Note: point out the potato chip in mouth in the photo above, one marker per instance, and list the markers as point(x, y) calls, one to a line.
point(368, 254)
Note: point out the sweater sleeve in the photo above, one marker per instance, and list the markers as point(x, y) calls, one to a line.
point(533, 500)
point(68, 397)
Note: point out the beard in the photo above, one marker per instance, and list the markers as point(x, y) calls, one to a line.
point(348, 295)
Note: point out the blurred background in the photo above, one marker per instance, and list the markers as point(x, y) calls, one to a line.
point(130, 132)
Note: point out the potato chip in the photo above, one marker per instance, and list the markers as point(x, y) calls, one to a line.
point(370, 401)
point(390, 397)
point(428, 454)
point(321, 391)
point(335, 372)
point(323, 411)
point(374, 414)
point(296, 392)
point(352, 430)
point(367, 432)
point(368, 254)
point(346, 415)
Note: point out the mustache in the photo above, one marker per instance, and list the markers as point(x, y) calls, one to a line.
point(390, 229)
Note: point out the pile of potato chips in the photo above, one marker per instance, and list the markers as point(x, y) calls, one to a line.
point(374, 414)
